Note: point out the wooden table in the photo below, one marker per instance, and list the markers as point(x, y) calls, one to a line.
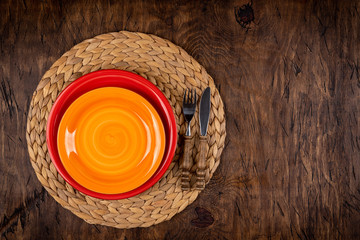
point(289, 75)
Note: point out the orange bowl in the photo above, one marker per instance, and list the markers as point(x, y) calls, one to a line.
point(111, 140)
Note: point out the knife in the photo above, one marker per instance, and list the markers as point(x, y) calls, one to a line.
point(204, 115)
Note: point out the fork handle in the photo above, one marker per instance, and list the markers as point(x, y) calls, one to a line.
point(186, 164)
point(201, 164)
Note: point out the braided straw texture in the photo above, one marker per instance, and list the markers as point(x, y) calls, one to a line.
point(172, 70)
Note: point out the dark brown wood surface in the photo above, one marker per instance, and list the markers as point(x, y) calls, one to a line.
point(288, 73)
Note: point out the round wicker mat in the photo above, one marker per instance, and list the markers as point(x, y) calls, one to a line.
point(172, 70)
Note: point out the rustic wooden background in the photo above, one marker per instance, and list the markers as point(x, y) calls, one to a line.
point(288, 73)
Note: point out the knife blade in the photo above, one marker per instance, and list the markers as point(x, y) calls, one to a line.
point(204, 111)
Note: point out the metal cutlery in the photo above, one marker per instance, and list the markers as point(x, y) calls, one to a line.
point(204, 114)
point(189, 107)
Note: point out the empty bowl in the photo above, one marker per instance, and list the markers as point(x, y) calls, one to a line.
point(125, 134)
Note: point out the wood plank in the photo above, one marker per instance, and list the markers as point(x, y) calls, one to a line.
point(289, 78)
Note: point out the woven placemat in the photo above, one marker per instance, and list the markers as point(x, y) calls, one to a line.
point(172, 70)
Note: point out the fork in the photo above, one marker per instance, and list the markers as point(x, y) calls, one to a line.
point(189, 107)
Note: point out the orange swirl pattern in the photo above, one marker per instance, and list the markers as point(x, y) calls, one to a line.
point(111, 140)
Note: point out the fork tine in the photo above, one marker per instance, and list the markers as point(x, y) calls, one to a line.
point(184, 99)
point(192, 92)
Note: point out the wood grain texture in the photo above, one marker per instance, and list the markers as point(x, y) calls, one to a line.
point(201, 163)
point(186, 163)
point(290, 82)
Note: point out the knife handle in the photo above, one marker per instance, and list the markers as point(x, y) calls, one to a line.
point(201, 164)
point(186, 163)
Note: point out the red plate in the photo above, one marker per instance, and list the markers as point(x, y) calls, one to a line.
point(112, 78)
